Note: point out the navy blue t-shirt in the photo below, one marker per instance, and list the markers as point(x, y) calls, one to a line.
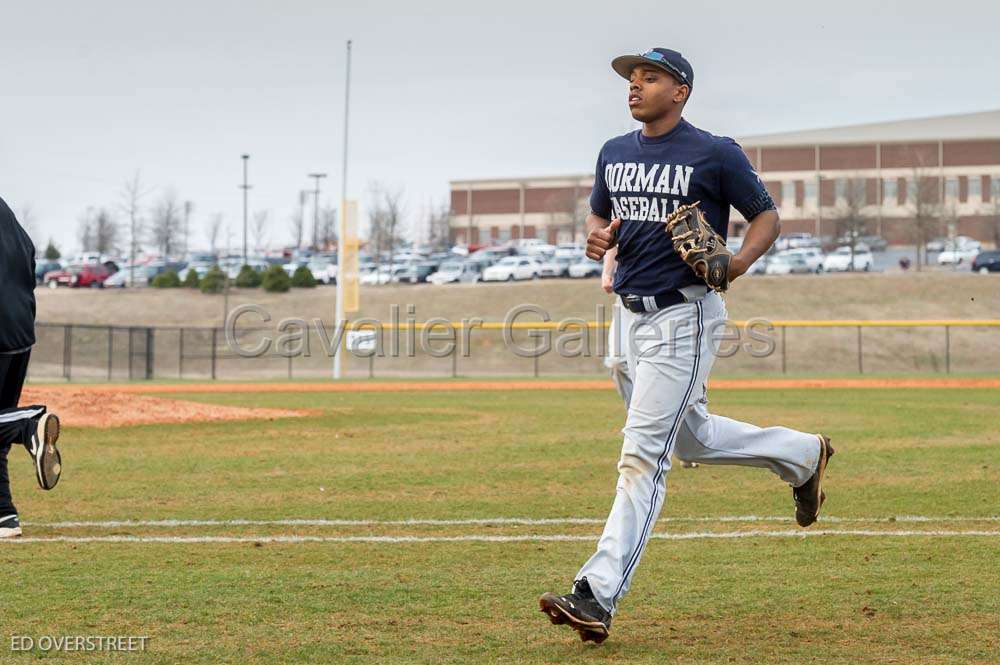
point(641, 180)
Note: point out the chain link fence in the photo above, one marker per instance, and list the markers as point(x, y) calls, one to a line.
point(90, 353)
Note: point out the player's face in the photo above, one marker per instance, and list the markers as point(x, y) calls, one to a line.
point(652, 93)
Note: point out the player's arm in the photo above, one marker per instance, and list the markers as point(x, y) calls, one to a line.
point(746, 191)
point(600, 232)
point(763, 231)
point(608, 273)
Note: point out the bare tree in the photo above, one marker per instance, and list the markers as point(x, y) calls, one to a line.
point(923, 195)
point(258, 228)
point(212, 230)
point(995, 209)
point(851, 218)
point(188, 208)
point(85, 230)
point(106, 231)
point(26, 217)
point(166, 224)
point(386, 219)
point(297, 222)
point(131, 195)
point(439, 226)
point(327, 234)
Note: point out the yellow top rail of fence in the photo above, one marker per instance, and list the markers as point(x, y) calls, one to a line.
point(575, 324)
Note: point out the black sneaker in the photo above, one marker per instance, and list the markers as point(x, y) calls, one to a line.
point(10, 527)
point(42, 448)
point(809, 496)
point(580, 610)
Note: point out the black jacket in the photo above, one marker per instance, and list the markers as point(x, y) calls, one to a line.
point(17, 284)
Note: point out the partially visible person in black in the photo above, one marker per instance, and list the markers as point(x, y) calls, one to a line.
point(32, 426)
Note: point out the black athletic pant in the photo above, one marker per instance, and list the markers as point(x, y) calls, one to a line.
point(16, 425)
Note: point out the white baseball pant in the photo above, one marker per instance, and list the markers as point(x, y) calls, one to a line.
point(670, 354)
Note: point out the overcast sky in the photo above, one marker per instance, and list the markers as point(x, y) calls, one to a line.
point(94, 91)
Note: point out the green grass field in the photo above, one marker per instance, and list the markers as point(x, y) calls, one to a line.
point(890, 595)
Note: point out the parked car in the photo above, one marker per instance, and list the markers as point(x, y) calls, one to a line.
point(812, 256)
point(556, 267)
point(512, 268)
point(569, 250)
point(787, 264)
point(376, 277)
point(796, 240)
point(44, 267)
point(961, 242)
point(954, 255)
point(322, 270)
point(586, 268)
point(416, 273)
point(449, 272)
point(987, 262)
point(841, 259)
point(875, 243)
point(78, 276)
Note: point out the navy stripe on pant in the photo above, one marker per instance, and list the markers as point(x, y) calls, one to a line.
point(16, 425)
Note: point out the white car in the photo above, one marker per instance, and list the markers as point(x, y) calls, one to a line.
point(569, 250)
point(455, 271)
point(787, 264)
point(840, 260)
point(586, 268)
point(797, 240)
point(323, 271)
point(511, 268)
point(812, 256)
point(953, 256)
point(556, 267)
point(376, 277)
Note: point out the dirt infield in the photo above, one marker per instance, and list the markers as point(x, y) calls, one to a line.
point(90, 406)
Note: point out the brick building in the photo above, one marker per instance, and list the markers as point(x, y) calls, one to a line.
point(935, 175)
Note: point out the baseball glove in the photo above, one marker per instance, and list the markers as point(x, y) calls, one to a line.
point(699, 246)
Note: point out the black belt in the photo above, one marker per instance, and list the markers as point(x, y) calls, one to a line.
point(640, 304)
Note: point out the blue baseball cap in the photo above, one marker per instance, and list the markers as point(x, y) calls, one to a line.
point(672, 62)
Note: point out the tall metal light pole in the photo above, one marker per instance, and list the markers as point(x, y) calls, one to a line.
point(318, 177)
point(245, 187)
point(342, 218)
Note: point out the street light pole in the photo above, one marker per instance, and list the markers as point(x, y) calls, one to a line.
point(245, 187)
point(317, 177)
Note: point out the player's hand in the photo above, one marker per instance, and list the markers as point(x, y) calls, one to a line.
point(601, 240)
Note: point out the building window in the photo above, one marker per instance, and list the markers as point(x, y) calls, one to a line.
point(975, 186)
point(951, 189)
point(504, 234)
point(890, 191)
point(810, 193)
point(911, 190)
point(840, 189)
point(788, 193)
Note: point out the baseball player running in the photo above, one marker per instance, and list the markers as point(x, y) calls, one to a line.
point(662, 195)
point(31, 426)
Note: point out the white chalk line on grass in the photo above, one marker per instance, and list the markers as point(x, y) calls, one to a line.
point(493, 538)
point(515, 521)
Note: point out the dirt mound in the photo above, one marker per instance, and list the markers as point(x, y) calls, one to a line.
point(88, 406)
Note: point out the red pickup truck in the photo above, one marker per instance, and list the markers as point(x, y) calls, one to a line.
point(92, 275)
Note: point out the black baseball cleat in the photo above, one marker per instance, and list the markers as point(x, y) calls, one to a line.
point(10, 527)
point(42, 448)
point(809, 496)
point(580, 610)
